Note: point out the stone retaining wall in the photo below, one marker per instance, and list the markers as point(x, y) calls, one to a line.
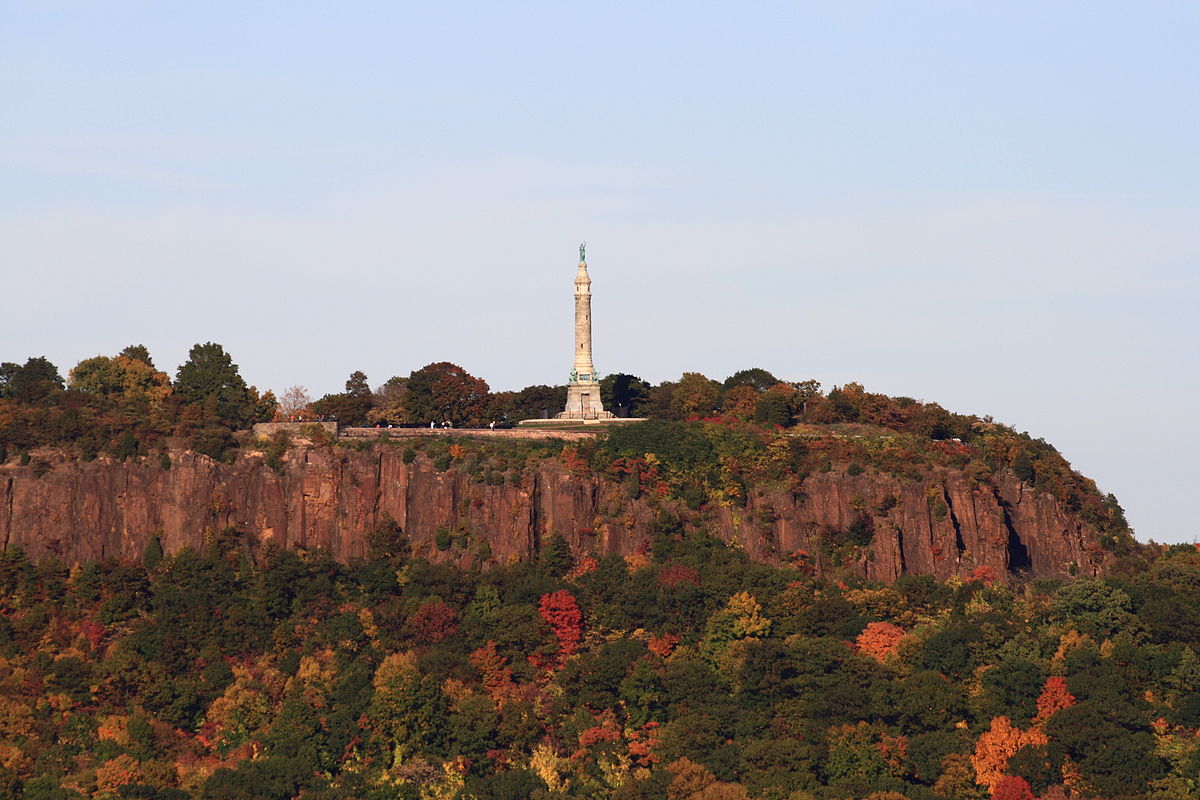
point(265, 429)
point(480, 433)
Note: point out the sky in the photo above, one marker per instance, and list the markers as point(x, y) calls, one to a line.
point(995, 206)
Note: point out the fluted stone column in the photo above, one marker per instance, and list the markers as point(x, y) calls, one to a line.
point(583, 390)
point(583, 322)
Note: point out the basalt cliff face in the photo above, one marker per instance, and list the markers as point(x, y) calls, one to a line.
point(329, 498)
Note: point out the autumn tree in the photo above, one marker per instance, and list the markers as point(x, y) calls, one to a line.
point(999, 743)
point(1011, 787)
point(1054, 698)
point(408, 709)
point(389, 404)
point(446, 392)
point(695, 395)
point(740, 620)
point(560, 611)
point(294, 405)
point(879, 639)
point(121, 377)
point(740, 401)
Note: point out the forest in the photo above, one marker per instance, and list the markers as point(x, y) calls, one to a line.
point(686, 671)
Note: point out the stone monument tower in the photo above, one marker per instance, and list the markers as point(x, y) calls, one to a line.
point(583, 390)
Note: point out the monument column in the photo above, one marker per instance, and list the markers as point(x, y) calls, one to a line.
point(583, 321)
point(583, 389)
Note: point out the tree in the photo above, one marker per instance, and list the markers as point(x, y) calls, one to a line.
point(1097, 609)
point(408, 709)
point(210, 372)
point(137, 352)
point(34, 382)
point(624, 394)
point(357, 385)
point(739, 620)
point(555, 558)
point(561, 612)
point(351, 407)
point(446, 392)
point(294, 404)
point(1054, 698)
point(1012, 787)
point(695, 395)
point(119, 377)
point(929, 701)
point(1011, 687)
point(389, 404)
point(879, 639)
point(532, 402)
point(756, 378)
point(996, 746)
point(776, 406)
point(741, 402)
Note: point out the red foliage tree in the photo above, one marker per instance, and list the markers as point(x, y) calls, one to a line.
point(1012, 787)
point(676, 575)
point(560, 611)
point(433, 622)
point(662, 646)
point(562, 614)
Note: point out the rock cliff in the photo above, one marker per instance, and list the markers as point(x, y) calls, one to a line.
point(325, 497)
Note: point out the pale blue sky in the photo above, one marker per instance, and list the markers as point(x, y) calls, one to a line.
point(996, 208)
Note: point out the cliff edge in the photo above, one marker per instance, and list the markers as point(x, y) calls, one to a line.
point(856, 521)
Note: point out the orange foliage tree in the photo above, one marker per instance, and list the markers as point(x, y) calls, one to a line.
point(879, 639)
point(493, 668)
point(1054, 697)
point(996, 746)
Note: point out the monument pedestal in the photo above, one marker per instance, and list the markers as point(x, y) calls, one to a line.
point(583, 402)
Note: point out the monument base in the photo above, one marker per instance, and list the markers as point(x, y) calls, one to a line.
point(583, 402)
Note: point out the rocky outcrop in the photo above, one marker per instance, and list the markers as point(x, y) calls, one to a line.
point(330, 498)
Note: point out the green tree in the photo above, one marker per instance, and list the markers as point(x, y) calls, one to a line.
point(532, 402)
point(756, 378)
point(34, 382)
point(1096, 608)
point(1011, 689)
point(774, 408)
point(138, 352)
point(350, 408)
point(209, 372)
point(624, 394)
